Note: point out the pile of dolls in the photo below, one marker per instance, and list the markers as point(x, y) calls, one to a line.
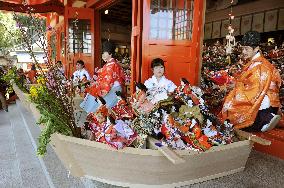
point(217, 73)
point(180, 120)
point(276, 57)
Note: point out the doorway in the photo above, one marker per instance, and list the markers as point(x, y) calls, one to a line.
point(116, 26)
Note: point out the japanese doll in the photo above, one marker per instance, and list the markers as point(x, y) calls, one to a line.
point(98, 119)
point(194, 136)
point(139, 100)
point(122, 110)
point(118, 134)
point(184, 92)
point(211, 132)
point(171, 133)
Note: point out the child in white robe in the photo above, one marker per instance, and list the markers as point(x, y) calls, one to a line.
point(158, 85)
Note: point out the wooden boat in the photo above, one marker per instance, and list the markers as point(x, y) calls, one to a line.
point(155, 167)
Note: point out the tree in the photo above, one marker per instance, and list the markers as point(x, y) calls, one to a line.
point(9, 35)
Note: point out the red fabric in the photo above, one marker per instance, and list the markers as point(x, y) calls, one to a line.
point(32, 75)
point(221, 77)
point(107, 75)
point(122, 110)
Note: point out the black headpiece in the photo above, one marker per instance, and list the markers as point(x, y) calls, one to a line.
point(251, 38)
point(141, 86)
point(108, 47)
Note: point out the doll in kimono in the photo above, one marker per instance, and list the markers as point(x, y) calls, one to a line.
point(159, 87)
point(171, 133)
point(185, 93)
point(118, 134)
point(194, 136)
point(98, 119)
point(211, 132)
point(139, 100)
point(109, 79)
point(122, 110)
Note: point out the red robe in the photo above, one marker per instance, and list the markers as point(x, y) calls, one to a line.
point(107, 75)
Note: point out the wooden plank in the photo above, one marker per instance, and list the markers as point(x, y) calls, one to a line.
point(166, 151)
point(253, 137)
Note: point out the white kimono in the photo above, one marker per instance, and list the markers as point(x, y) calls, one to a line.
point(159, 90)
point(80, 73)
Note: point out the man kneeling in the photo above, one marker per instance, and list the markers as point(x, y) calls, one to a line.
point(254, 102)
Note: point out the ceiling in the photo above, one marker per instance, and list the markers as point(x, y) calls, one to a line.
point(120, 13)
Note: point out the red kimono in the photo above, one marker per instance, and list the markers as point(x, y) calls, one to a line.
point(122, 110)
point(107, 75)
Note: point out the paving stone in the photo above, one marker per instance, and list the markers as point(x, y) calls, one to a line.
point(10, 174)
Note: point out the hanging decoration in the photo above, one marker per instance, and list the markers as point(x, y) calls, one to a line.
point(230, 39)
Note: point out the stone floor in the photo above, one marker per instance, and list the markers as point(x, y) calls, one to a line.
point(20, 167)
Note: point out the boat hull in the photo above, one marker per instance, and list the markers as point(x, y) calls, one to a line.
point(132, 167)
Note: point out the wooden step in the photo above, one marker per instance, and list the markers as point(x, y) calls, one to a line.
point(276, 136)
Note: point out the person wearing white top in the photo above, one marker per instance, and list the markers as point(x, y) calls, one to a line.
point(158, 85)
point(79, 74)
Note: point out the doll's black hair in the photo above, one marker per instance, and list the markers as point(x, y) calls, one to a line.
point(118, 93)
point(108, 47)
point(86, 125)
point(111, 119)
point(59, 62)
point(101, 99)
point(185, 81)
point(87, 84)
point(141, 86)
point(81, 63)
point(157, 62)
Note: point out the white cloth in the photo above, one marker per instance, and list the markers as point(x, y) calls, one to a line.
point(265, 103)
point(159, 90)
point(164, 83)
point(80, 74)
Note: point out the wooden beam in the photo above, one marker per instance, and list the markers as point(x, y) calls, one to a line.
point(253, 137)
point(99, 4)
point(247, 8)
point(49, 6)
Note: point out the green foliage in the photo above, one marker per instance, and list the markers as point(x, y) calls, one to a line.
point(53, 115)
point(9, 32)
point(18, 79)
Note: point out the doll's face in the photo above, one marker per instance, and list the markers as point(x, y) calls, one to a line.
point(158, 71)
point(106, 56)
point(137, 89)
point(100, 117)
point(79, 66)
point(182, 83)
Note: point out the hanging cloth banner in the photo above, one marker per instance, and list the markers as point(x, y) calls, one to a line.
point(257, 23)
point(224, 28)
point(246, 24)
point(236, 23)
point(281, 19)
point(207, 31)
point(270, 20)
point(216, 29)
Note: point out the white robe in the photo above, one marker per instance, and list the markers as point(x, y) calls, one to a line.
point(80, 73)
point(159, 90)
